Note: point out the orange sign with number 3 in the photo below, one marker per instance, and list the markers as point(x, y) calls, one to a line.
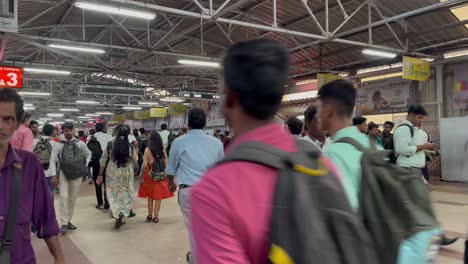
point(11, 77)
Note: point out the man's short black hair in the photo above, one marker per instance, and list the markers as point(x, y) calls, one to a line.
point(33, 123)
point(295, 125)
point(310, 113)
point(92, 131)
point(390, 123)
point(417, 109)
point(69, 125)
point(81, 133)
point(196, 118)
point(256, 72)
point(163, 126)
point(372, 125)
point(11, 96)
point(47, 130)
point(99, 127)
point(142, 130)
point(359, 120)
point(343, 95)
point(26, 116)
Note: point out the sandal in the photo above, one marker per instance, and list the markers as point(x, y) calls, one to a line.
point(119, 221)
point(156, 220)
point(149, 218)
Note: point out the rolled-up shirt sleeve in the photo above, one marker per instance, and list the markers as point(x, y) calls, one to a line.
point(404, 142)
point(43, 215)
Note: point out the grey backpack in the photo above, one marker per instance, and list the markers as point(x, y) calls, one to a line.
point(312, 220)
point(43, 150)
point(72, 160)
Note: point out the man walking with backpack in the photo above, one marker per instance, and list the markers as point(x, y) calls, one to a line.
point(259, 204)
point(73, 156)
point(96, 153)
point(45, 148)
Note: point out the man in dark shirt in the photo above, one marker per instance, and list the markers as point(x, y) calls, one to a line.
point(387, 136)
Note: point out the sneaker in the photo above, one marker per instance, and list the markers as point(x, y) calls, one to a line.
point(132, 214)
point(99, 206)
point(70, 226)
point(63, 229)
point(106, 206)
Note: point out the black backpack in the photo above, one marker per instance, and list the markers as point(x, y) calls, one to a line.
point(393, 155)
point(312, 220)
point(96, 151)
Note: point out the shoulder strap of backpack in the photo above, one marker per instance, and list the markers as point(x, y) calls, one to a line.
point(259, 153)
point(352, 142)
point(411, 128)
point(7, 242)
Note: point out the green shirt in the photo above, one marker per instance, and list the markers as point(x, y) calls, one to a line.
point(348, 161)
point(406, 146)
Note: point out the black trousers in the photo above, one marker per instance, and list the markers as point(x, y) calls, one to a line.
point(99, 188)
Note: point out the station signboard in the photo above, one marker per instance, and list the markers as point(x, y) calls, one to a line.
point(11, 77)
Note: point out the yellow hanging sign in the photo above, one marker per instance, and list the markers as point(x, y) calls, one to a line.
point(118, 118)
point(416, 69)
point(324, 78)
point(140, 115)
point(129, 116)
point(158, 112)
point(177, 109)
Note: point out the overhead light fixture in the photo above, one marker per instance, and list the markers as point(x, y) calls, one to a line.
point(200, 63)
point(148, 103)
point(149, 89)
point(115, 10)
point(86, 102)
point(380, 77)
point(379, 53)
point(428, 59)
point(69, 109)
point(77, 48)
point(27, 105)
point(306, 82)
point(49, 71)
point(45, 118)
point(301, 117)
point(82, 117)
point(29, 108)
point(34, 93)
point(172, 99)
point(454, 54)
point(69, 120)
point(103, 113)
point(55, 115)
point(131, 108)
point(92, 115)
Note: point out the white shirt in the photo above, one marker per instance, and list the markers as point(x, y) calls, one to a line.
point(102, 138)
point(165, 137)
point(406, 146)
point(54, 145)
point(56, 157)
point(317, 143)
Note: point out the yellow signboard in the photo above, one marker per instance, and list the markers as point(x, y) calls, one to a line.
point(158, 112)
point(177, 109)
point(139, 115)
point(324, 78)
point(129, 116)
point(416, 69)
point(118, 118)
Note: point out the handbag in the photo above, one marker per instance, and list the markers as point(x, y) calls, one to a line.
point(7, 243)
point(158, 173)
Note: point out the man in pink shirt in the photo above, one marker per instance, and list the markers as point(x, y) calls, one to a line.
point(232, 204)
point(23, 137)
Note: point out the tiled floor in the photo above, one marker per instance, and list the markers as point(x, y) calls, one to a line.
point(139, 242)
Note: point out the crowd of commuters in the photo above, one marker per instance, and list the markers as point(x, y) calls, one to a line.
point(228, 203)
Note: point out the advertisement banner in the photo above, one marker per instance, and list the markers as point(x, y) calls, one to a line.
point(391, 95)
point(9, 16)
point(140, 115)
point(11, 77)
point(215, 117)
point(460, 89)
point(416, 69)
point(177, 121)
point(158, 112)
point(324, 78)
point(177, 109)
point(129, 116)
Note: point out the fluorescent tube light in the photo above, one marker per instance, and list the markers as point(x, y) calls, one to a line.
point(148, 103)
point(34, 93)
point(115, 10)
point(69, 109)
point(379, 53)
point(45, 118)
point(69, 120)
point(77, 48)
point(51, 71)
point(149, 89)
point(172, 99)
point(199, 63)
point(92, 115)
point(55, 115)
point(29, 108)
point(28, 105)
point(86, 102)
point(82, 117)
point(131, 108)
point(103, 113)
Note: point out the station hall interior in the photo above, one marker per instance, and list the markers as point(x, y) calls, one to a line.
point(146, 64)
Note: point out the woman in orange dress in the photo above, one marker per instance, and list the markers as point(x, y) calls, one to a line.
point(154, 190)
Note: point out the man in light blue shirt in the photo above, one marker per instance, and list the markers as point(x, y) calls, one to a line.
point(190, 157)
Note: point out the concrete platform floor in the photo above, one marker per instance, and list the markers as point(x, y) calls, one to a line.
point(138, 242)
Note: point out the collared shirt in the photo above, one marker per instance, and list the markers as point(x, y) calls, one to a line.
point(22, 139)
point(35, 204)
point(56, 157)
point(165, 137)
point(102, 138)
point(348, 160)
point(317, 142)
point(192, 155)
point(48, 172)
point(406, 146)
